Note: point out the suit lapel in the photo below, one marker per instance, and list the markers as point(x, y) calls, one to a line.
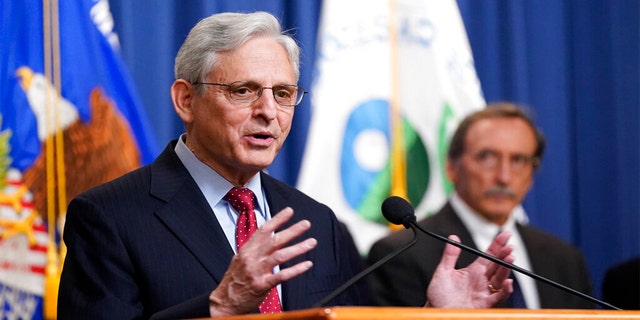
point(278, 199)
point(187, 214)
point(453, 225)
point(276, 196)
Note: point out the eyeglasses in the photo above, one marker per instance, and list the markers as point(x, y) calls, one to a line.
point(490, 159)
point(248, 91)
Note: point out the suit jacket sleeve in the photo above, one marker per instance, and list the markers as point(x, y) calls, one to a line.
point(99, 279)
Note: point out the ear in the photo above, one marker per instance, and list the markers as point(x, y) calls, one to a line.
point(182, 97)
point(451, 171)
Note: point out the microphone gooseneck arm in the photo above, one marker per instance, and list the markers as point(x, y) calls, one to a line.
point(365, 272)
point(513, 267)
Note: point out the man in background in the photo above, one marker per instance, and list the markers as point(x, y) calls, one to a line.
point(492, 158)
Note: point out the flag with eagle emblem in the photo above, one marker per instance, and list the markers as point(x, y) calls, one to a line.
point(69, 120)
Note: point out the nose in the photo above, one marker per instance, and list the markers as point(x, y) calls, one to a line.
point(503, 171)
point(266, 105)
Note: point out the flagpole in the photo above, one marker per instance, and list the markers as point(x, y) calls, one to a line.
point(60, 154)
point(398, 156)
point(53, 150)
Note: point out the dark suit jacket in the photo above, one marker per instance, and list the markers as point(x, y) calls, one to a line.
point(148, 245)
point(621, 285)
point(403, 281)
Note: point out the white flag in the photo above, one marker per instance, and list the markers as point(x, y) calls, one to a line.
point(392, 78)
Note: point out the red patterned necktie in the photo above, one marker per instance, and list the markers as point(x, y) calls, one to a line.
point(241, 199)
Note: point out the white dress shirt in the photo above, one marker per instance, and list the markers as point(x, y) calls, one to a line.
point(483, 231)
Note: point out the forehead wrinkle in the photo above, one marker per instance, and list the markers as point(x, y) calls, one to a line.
point(263, 54)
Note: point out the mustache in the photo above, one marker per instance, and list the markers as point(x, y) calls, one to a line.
point(501, 191)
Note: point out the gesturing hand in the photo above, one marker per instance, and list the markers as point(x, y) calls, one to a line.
point(470, 287)
point(250, 275)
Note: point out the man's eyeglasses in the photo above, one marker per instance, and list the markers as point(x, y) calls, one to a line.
point(490, 159)
point(248, 91)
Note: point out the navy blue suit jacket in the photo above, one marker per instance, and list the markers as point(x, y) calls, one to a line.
point(147, 245)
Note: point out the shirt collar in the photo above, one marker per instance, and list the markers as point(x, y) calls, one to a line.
point(210, 182)
point(482, 230)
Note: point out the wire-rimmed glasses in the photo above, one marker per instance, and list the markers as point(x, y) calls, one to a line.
point(287, 95)
point(490, 160)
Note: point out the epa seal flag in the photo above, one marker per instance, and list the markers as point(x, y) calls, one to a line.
point(393, 78)
point(69, 120)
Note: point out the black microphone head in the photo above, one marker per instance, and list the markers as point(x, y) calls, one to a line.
point(398, 211)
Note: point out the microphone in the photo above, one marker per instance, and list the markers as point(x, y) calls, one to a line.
point(399, 218)
point(392, 209)
point(398, 211)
